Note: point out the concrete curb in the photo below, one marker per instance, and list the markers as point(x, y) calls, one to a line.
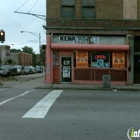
point(88, 88)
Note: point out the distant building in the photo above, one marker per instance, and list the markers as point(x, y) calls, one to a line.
point(21, 58)
point(4, 53)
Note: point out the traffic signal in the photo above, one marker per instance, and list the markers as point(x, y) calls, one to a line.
point(2, 36)
point(43, 47)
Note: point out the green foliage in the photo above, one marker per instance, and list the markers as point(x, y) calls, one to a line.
point(15, 50)
point(10, 78)
point(43, 55)
point(27, 49)
point(9, 61)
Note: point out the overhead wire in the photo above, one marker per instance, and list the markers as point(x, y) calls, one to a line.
point(21, 5)
point(11, 19)
point(33, 6)
point(25, 3)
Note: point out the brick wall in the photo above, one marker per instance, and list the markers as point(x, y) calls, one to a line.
point(110, 15)
point(109, 9)
point(25, 59)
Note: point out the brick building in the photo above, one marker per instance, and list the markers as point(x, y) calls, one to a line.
point(21, 58)
point(82, 34)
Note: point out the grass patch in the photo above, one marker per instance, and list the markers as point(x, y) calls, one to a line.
point(9, 78)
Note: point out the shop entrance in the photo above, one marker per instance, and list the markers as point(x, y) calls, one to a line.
point(66, 74)
point(137, 68)
point(137, 60)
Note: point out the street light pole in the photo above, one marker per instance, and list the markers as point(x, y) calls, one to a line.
point(39, 37)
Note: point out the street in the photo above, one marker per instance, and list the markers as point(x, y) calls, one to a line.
point(47, 114)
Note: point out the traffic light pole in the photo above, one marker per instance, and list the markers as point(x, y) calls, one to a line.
point(2, 36)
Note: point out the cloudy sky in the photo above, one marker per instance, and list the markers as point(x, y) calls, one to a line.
point(12, 23)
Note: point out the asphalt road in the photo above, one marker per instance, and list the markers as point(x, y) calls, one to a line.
point(42, 114)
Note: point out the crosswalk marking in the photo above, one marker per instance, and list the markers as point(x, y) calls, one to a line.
point(3, 89)
point(42, 107)
point(3, 102)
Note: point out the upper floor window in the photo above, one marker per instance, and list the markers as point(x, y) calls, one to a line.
point(68, 8)
point(88, 9)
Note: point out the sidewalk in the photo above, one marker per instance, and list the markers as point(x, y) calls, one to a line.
point(24, 80)
point(38, 82)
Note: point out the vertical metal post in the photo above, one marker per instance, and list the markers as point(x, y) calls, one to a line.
point(40, 51)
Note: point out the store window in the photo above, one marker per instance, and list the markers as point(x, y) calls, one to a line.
point(82, 59)
point(85, 59)
point(100, 60)
point(67, 8)
point(88, 9)
point(118, 60)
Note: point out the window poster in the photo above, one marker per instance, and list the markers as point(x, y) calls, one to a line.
point(66, 62)
point(118, 60)
point(82, 59)
point(100, 63)
point(66, 71)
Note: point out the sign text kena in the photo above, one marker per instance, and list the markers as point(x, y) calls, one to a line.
point(67, 38)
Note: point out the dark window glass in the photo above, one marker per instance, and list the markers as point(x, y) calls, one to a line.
point(88, 2)
point(68, 8)
point(100, 60)
point(137, 44)
point(88, 12)
point(88, 9)
point(68, 12)
point(68, 2)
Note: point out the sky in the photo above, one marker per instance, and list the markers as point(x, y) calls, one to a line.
point(13, 23)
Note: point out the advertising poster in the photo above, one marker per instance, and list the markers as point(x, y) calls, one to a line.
point(66, 62)
point(66, 71)
point(100, 63)
point(82, 59)
point(118, 60)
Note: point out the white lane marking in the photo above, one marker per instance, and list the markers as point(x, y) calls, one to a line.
point(43, 106)
point(3, 102)
point(3, 89)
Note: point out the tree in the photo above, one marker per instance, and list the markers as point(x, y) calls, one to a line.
point(27, 49)
point(9, 61)
point(15, 50)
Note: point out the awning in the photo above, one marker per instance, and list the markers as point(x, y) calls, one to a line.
point(90, 47)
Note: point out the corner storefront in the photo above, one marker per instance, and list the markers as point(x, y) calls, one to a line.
point(83, 59)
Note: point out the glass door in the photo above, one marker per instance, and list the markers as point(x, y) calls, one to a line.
point(137, 59)
point(66, 75)
point(137, 68)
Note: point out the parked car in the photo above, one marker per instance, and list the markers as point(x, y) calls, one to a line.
point(38, 69)
point(4, 70)
point(32, 70)
point(20, 69)
point(13, 71)
point(27, 70)
point(7, 70)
